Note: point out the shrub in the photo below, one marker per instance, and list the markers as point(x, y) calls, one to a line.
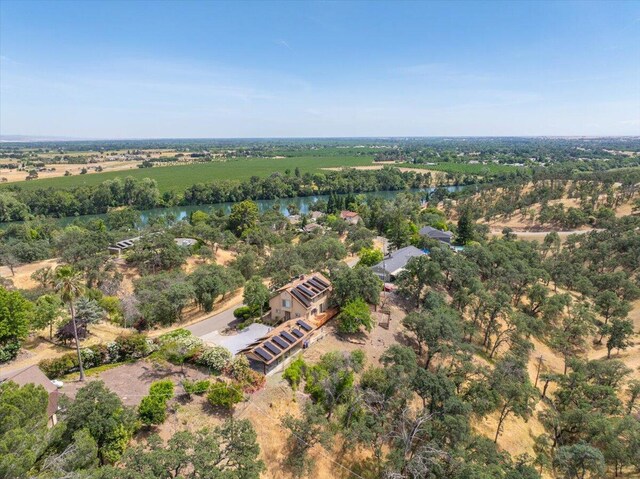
point(181, 349)
point(113, 307)
point(216, 358)
point(244, 324)
point(196, 387)
point(57, 367)
point(9, 350)
point(246, 313)
point(224, 395)
point(243, 313)
point(295, 372)
point(132, 346)
point(175, 334)
point(163, 388)
point(92, 357)
point(89, 358)
point(254, 381)
point(239, 368)
point(113, 352)
point(153, 408)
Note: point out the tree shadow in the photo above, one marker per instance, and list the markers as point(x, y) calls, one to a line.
point(217, 411)
point(405, 340)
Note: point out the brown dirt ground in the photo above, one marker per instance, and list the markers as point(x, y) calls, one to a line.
point(132, 381)
point(532, 231)
point(22, 278)
point(16, 175)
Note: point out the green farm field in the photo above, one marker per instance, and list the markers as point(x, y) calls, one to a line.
point(467, 169)
point(180, 177)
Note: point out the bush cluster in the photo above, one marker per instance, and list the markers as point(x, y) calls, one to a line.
point(196, 387)
point(225, 395)
point(153, 408)
point(294, 373)
point(216, 358)
point(124, 348)
point(246, 313)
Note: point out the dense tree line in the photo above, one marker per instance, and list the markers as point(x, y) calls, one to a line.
point(19, 204)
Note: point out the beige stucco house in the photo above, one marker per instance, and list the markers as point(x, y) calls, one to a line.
point(350, 217)
point(303, 298)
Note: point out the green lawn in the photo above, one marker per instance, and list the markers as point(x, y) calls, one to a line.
point(180, 177)
point(467, 169)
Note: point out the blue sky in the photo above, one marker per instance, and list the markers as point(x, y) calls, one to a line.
point(197, 69)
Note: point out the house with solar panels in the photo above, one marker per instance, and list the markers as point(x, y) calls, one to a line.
point(274, 351)
point(304, 298)
point(303, 307)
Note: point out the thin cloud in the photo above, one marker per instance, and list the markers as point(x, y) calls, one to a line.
point(283, 43)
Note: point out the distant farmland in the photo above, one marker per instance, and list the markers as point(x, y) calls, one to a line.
point(467, 169)
point(180, 177)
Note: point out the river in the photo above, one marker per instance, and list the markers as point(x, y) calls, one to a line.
point(303, 203)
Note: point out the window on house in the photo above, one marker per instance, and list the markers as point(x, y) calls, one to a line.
point(286, 303)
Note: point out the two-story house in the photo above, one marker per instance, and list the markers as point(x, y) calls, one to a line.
point(304, 298)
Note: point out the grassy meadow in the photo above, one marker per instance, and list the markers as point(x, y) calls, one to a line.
point(182, 176)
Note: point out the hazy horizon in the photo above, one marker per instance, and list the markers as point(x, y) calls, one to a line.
point(256, 70)
point(53, 139)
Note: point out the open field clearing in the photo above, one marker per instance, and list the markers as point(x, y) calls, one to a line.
point(467, 168)
point(180, 177)
point(443, 168)
point(14, 176)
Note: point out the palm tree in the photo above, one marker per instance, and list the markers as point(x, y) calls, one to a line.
point(68, 284)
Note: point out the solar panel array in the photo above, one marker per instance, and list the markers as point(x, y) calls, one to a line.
point(297, 332)
point(304, 325)
point(288, 337)
point(272, 348)
point(263, 354)
point(280, 342)
point(301, 297)
point(309, 289)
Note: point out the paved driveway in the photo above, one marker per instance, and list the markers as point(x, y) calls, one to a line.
point(217, 322)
